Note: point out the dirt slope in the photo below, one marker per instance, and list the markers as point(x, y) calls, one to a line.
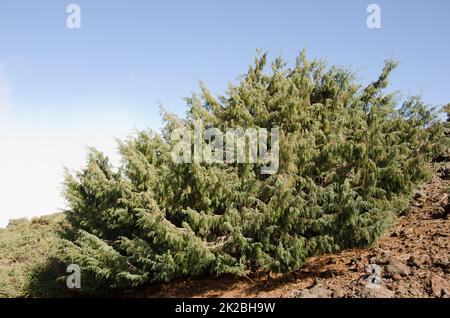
point(412, 260)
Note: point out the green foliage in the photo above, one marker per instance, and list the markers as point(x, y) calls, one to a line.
point(29, 261)
point(350, 156)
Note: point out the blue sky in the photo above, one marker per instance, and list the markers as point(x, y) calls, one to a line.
point(63, 89)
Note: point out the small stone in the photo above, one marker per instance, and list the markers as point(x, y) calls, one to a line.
point(439, 286)
point(374, 274)
point(383, 260)
point(445, 173)
point(353, 283)
point(339, 293)
point(405, 233)
point(376, 291)
point(315, 292)
point(396, 269)
point(411, 210)
point(419, 260)
point(330, 273)
point(418, 205)
point(443, 211)
point(374, 269)
point(442, 262)
point(417, 194)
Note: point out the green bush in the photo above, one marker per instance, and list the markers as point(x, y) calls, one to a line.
point(350, 157)
point(29, 257)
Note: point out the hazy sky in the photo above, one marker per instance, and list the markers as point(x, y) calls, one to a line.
point(64, 89)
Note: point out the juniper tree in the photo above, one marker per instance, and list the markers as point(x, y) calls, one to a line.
point(350, 157)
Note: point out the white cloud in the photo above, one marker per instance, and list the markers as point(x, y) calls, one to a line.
point(34, 148)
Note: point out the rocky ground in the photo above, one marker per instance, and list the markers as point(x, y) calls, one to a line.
point(412, 260)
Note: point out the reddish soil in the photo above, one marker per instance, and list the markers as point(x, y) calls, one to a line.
point(413, 258)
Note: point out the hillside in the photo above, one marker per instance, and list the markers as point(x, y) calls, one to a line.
point(414, 258)
point(26, 247)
